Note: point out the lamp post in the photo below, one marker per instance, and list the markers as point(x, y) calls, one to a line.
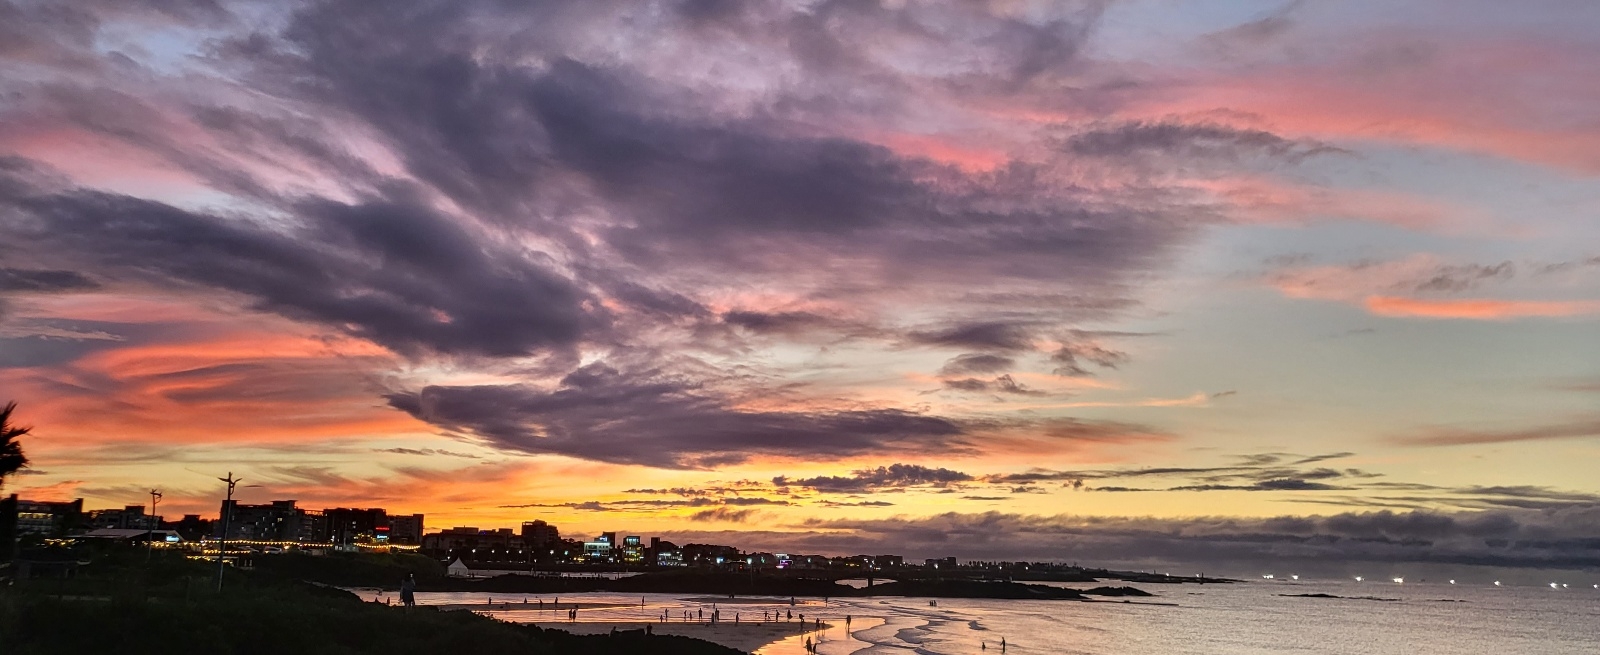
point(150, 526)
point(222, 538)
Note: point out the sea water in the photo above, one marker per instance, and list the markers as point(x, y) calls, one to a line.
point(1251, 618)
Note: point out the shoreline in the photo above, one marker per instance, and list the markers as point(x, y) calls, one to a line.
point(747, 636)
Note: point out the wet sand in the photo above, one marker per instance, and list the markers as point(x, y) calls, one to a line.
point(531, 607)
point(745, 636)
point(751, 600)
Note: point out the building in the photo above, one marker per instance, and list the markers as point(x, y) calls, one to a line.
point(470, 537)
point(194, 528)
point(710, 555)
point(130, 517)
point(347, 525)
point(538, 535)
point(888, 561)
point(279, 520)
point(666, 553)
point(51, 519)
point(600, 549)
point(405, 529)
point(632, 550)
point(941, 563)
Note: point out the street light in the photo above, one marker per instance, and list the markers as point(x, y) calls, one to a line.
point(222, 538)
point(150, 526)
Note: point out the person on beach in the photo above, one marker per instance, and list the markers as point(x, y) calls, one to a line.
point(408, 590)
point(847, 623)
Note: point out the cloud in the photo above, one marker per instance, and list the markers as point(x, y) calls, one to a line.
point(429, 452)
point(977, 363)
point(603, 414)
point(866, 480)
point(396, 273)
point(46, 281)
point(1400, 289)
point(723, 515)
point(1210, 141)
point(1545, 538)
point(1003, 384)
point(862, 503)
point(991, 335)
point(1068, 358)
point(1478, 309)
point(1577, 429)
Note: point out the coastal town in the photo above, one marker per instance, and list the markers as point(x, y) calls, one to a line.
point(244, 531)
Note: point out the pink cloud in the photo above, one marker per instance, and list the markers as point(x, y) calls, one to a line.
point(1478, 308)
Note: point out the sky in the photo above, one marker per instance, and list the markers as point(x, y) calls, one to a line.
point(1145, 280)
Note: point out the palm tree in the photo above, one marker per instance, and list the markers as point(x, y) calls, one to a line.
point(11, 457)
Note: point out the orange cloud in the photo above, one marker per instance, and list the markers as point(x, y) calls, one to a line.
point(235, 387)
point(1478, 309)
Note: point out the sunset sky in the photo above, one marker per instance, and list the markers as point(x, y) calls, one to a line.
point(1035, 279)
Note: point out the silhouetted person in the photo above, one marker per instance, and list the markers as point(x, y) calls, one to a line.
point(1002, 644)
point(408, 590)
point(847, 623)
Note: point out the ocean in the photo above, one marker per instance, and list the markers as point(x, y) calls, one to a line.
point(1250, 618)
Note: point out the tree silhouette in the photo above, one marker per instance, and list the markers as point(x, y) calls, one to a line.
point(11, 457)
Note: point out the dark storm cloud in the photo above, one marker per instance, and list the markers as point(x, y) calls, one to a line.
point(1549, 538)
point(866, 480)
point(651, 419)
point(395, 273)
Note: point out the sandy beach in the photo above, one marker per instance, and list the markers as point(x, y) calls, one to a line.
point(745, 636)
